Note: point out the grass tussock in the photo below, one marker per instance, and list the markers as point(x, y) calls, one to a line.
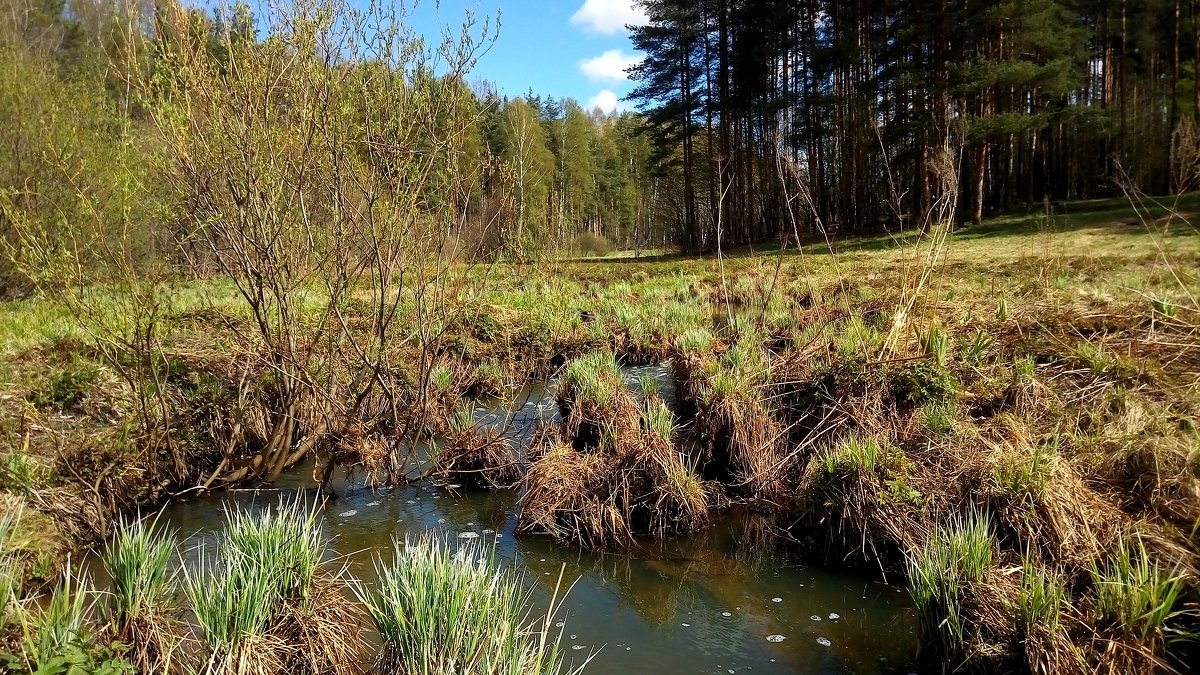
point(455, 612)
point(140, 605)
point(596, 405)
point(943, 575)
point(744, 438)
point(609, 478)
point(265, 603)
point(859, 491)
point(477, 457)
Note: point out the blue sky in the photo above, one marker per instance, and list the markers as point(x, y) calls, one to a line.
point(562, 48)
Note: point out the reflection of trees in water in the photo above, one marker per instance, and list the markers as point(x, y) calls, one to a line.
point(711, 567)
point(491, 509)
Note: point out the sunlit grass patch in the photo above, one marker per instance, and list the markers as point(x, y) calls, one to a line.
point(940, 573)
point(261, 602)
point(444, 611)
point(1136, 595)
point(142, 589)
point(1042, 599)
point(853, 455)
point(1025, 478)
point(592, 377)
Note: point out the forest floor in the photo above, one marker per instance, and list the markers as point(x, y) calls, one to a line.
point(1014, 426)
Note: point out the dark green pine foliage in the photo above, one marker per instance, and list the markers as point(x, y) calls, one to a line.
point(771, 118)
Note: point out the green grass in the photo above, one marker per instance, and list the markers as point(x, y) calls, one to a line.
point(649, 386)
point(1025, 478)
point(10, 577)
point(1135, 594)
point(441, 611)
point(136, 560)
point(1042, 598)
point(854, 339)
point(441, 378)
point(659, 421)
point(936, 343)
point(939, 417)
point(853, 455)
point(956, 555)
point(697, 341)
point(21, 472)
point(592, 377)
point(263, 561)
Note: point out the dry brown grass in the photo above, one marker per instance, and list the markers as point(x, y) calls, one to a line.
point(481, 458)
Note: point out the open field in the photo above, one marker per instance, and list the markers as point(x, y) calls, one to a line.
point(1012, 426)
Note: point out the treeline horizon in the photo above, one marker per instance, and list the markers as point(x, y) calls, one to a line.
point(528, 175)
point(759, 121)
point(779, 116)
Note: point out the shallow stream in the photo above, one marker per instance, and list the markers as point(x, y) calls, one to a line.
point(717, 602)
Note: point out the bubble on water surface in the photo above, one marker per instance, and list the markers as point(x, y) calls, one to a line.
point(776, 599)
point(454, 486)
point(578, 647)
point(775, 638)
point(469, 535)
point(824, 642)
point(814, 617)
point(441, 521)
point(686, 625)
point(726, 614)
point(834, 616)
point(560, 624)
point(347, 514)
point(374, 504)
point(489, 532)
point(412, 501)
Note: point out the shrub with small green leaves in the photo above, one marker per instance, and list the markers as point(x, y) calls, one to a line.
point(922, 382)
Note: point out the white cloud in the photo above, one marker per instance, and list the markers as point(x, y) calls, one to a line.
point(607, 101)
point(609, 66)
point(609, 17)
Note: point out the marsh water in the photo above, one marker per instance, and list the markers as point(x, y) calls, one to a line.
point(717, 602)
